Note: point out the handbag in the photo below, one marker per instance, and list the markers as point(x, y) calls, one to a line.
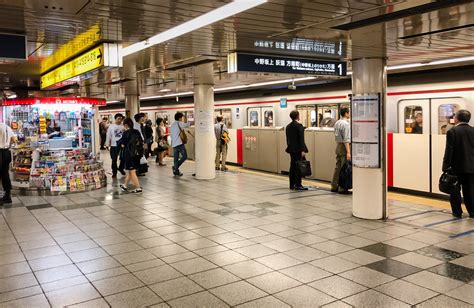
point(143, 168)
point(304, 167)
point(448, 182)
point(345, 176)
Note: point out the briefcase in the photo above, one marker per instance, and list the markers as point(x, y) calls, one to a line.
point(448, 182)
point(304, 167)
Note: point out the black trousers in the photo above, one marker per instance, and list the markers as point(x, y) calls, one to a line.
point(467, 186)
point(295, 175)
point(103, 138)
point(5, 160)
point(114, 154)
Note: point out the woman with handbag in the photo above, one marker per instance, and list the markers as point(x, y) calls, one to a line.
point(162, 140)
point(131, 144)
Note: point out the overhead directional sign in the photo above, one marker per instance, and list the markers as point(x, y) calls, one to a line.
point(74, 47)
point(88, 61)
point(244, 62)
point(296, 46)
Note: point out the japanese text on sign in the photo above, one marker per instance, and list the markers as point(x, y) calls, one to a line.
point(303, 45)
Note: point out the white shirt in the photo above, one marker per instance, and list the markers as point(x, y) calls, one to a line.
point(219, 128)
point(342, 131)
point(114, 133)
point(175, 129)
point(6, 134)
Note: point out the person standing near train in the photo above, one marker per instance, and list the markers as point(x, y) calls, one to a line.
point(178, 141)
point(297, 149)
point(342, 133)
point(459, 159)
point(222, 140)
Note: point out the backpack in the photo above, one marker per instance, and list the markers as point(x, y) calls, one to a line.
point(224, 136)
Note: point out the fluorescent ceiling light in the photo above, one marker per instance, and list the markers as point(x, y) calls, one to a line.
point(223, 12)
point(453, 60)
point(179, 94)
point(165, 90)
point(112, 102)
point(150, 97)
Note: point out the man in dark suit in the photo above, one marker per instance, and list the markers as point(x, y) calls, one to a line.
point(296, 148)
point(459, 156)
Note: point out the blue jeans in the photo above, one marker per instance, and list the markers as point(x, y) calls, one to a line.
point(180, 155)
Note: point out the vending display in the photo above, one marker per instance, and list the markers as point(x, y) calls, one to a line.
point(66, 171)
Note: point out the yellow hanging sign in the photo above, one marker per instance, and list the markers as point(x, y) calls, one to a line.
point(86, 62)
point(75, 46)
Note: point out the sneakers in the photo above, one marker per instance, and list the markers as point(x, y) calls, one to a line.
point(136, 190)
point(123, 187)
point(176, 172)
point(345, 192)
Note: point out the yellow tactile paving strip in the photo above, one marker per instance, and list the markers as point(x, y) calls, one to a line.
point(391, 195)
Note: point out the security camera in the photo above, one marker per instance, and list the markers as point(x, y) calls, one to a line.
point(292, 85)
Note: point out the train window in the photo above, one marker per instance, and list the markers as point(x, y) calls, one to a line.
point(313, 118)
point(227, 114)
point(446, 117)
point(268, 118)
point(190, 117)
point(413, 120)
point(327, 115)
point(254, 118)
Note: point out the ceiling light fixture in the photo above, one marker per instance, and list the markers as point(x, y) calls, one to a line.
point(223, 12)
point(165, 90)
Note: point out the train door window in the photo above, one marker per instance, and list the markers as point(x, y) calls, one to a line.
point(313, 118)
point(190, 117)
point(327, 115)
point(413, 119)
point(446, 117)
point(304, 118)
point(268, 117)
point(253, 117)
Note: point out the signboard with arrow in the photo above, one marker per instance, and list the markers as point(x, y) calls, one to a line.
point(91, 60)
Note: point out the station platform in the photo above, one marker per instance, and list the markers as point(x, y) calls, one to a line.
point(242, 240)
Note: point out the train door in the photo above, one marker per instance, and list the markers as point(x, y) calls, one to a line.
point(260, 117)
point(418, 148)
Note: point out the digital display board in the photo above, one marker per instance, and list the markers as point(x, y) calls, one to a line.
point(12, 46)
point(245, 62)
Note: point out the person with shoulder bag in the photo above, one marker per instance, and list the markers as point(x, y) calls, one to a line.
point(178, 141)
point(222, 140)
point(162, 141)
point(132, 152)
point(458, 164)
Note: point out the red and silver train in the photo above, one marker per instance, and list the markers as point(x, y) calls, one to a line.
point(419, 111)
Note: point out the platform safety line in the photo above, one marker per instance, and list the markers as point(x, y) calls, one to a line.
point(442, 222)
point(324, 194)
point(416, 214)
point(461, 234)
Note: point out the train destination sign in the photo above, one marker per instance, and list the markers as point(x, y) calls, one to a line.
point(244, 62)
point(296, 46)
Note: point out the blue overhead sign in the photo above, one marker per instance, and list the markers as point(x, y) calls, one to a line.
point(283, 103)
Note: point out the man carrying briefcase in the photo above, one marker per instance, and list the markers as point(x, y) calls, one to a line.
point(296, 147)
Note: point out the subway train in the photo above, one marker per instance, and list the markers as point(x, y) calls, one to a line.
point(419, 110)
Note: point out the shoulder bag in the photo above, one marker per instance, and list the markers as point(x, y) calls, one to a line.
point(182, 135)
